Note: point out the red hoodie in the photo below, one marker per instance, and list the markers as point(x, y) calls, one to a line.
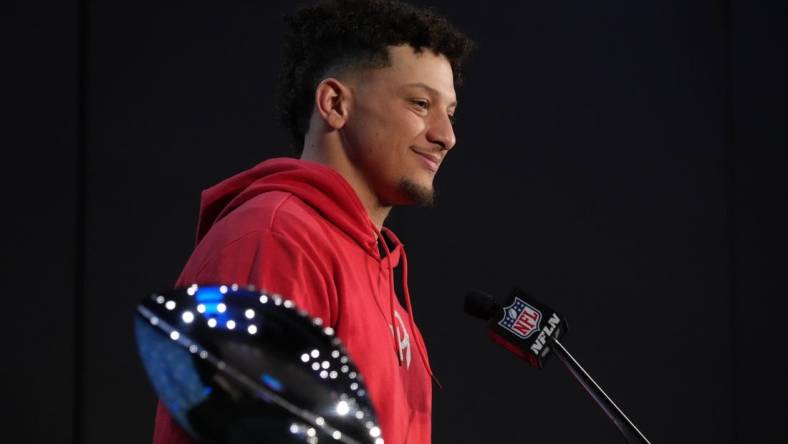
point(297, 228)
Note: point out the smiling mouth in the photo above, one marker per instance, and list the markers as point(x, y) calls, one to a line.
point(430, 161)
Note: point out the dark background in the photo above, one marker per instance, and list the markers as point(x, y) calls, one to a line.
point(623, 161)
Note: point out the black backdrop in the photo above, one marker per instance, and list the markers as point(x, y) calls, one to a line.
point(623, 161)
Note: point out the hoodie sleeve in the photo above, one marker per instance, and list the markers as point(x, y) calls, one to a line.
point(275, 263)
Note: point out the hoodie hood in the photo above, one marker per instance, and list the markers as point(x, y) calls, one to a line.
point(317, 185)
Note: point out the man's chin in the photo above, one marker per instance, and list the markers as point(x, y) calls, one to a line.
point(417, 194)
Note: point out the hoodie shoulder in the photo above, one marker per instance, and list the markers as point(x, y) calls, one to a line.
point(274, 212)
point(248, 247)
point(286, 193)
point(255, 215)
point(273, 217)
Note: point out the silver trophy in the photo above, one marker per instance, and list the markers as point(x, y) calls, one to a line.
point(234, 365)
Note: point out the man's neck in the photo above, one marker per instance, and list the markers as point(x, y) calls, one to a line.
point(336, 160)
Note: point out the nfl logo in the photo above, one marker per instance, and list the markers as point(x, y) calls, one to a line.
point(521, 318)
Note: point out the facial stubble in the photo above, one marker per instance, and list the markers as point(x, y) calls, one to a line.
point(417, 194)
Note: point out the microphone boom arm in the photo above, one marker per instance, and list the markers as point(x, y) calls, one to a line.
point(624, 425)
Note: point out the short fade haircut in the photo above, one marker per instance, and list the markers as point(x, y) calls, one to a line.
point(354, 34)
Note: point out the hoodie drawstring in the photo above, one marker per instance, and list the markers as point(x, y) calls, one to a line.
point(419, 344)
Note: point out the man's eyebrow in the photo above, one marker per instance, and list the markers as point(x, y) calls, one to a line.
point(430, 89)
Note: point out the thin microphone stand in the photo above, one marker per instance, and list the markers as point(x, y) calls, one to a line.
point(625, 426)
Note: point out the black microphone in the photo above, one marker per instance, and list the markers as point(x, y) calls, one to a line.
point(516, 326)
point(531, 330)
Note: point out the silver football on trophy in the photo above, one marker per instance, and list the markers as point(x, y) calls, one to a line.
point(234, 365)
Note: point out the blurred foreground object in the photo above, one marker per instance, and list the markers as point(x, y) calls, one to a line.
point(234, 365)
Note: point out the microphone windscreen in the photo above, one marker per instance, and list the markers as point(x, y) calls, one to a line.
point(480, 305)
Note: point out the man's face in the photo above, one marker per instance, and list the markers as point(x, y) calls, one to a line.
point(399, 127)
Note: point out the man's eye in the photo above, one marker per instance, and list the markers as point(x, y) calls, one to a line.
point(421, 103)
point(453, 119)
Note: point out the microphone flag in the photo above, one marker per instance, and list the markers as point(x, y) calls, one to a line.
point(524, 325)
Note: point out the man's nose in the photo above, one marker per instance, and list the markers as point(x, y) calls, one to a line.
point(441, 132)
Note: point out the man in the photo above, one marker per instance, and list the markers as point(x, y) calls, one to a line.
point(368, 93)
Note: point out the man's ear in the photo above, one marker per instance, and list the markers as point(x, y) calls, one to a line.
point(332, 102)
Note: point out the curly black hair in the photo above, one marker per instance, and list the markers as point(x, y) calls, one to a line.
point(354, 34)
